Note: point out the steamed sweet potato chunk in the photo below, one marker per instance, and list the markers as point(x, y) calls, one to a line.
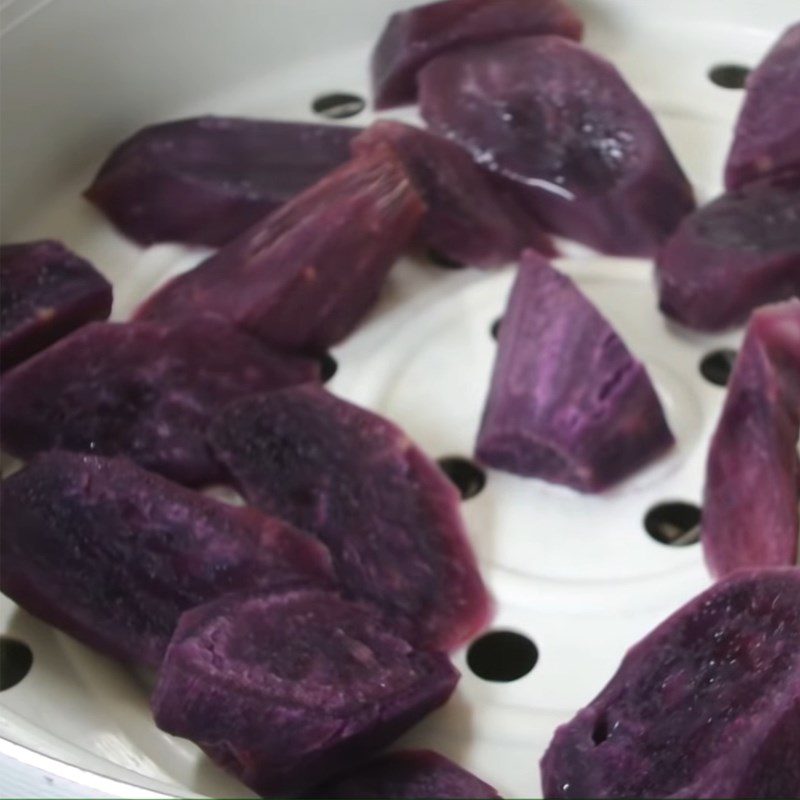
point(740, 251)
point(46, 291)
point(112, 554)
point(207, 179)
point(286, 689)
point(414, 37)
point(750, 516)
point(707, 705)
point(407, 774)
point(568, 403)
point(766, 140)
point(141, 390)
point(388, 515)
point(304, 277)
point(561, 122)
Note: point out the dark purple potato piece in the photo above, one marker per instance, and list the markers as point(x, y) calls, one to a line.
point(46, 291)
point(113, 554)
point(767, 135)
point(407, 774)
point(388, 515)
point(471, 219)
point(568, 402)
point(750, 516)
point(206, 180)
point(284, 690)
point(305, 276)
point(141, 390)
point(738, 252)
point(707, 705)
point(414, 37)
point(561, 122)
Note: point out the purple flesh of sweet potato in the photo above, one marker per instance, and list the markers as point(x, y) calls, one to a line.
point(707, 705)
point(46, 291)
point(286, 689)
point(206, 180)
point(561, 122)
point(141, 390)
point(304, 277)
point(414, 37)
point(568, 402)
point(471, 218)
point(113, 554)
point(767, 135)
point(388, 515)
point(407, 774)
point(750, 516)
point(738, 252)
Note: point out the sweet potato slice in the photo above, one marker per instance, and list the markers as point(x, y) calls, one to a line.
point(750, 515)
point(407, 774)
point(388, 515)
point(766, 140)
point(207, 179)
point(304, 277)
point(707, 705)
point(141, 390)
point(284, 690)
point(740, 251)
point(113, 554)
point(414, 37)
point(568, 403)
point(46, 291)
point(561, 122)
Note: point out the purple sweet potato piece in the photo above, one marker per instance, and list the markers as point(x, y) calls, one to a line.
point(471, 219)
point(287, 689)
point(388, 515)
point(767, 135)
point(562, 123)
point(141, 390)
point(208, 179)
point(568, 402)
point(414, 37)
point(750, 516)
point(707, 705)
point(738, 252)
point(305, 276)
point(46, 291)
point(113, 554)
point(407, 774)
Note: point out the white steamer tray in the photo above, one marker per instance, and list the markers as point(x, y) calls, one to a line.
point(577, 574)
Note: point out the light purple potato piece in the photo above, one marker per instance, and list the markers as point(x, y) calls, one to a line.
point(46, 291)
point(750, 515)
point(705, 706)
point(407, 774)
point(287, 689)
point(414, 37)
point(388, 515)
point(142, 390)
point(207, 179)
point(568, 403)
point(471, 217)
point(113, 555)
point(740, 251)
point(767, 136)
point(561, 122)
point(305, 276)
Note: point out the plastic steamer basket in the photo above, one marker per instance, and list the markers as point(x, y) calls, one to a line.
point(580, 577)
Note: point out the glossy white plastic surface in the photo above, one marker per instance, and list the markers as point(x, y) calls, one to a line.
point(577, 574)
